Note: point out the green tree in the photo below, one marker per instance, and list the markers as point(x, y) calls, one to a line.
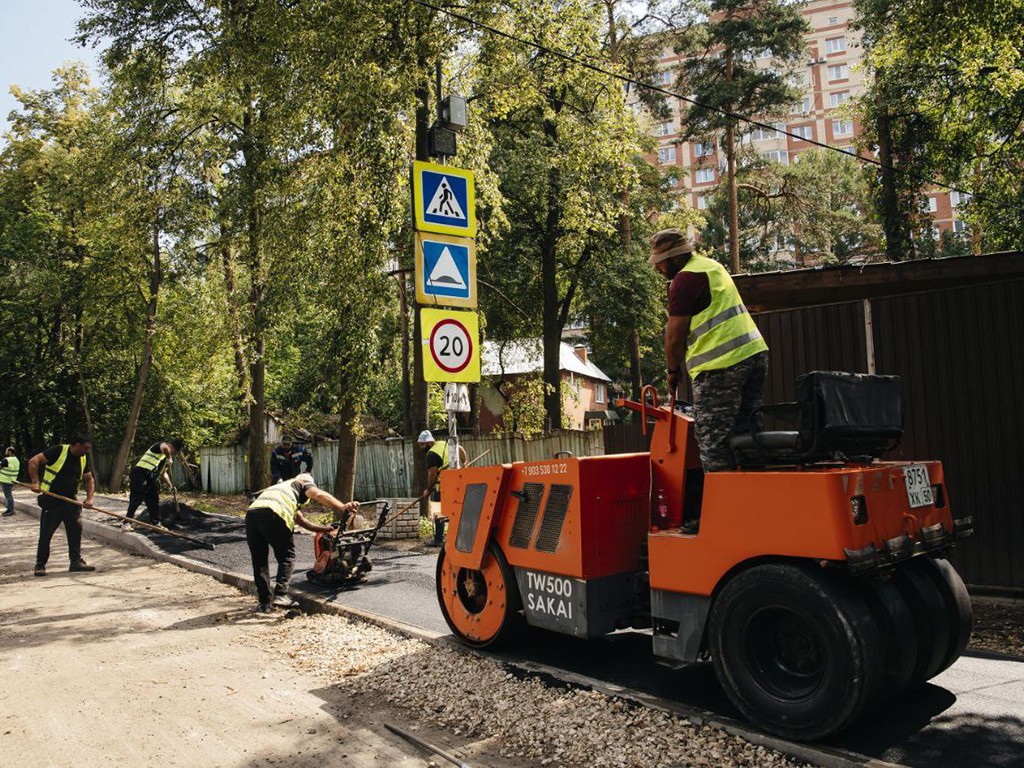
point(739, 62)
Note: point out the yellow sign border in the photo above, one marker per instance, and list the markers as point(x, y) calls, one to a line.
point(430, 299)
point(429, 318)
point(418, 204)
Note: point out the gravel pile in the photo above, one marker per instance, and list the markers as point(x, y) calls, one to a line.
point(543, 724)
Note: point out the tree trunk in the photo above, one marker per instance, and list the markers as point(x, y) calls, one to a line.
point(345, 471)
point(730, 180)
point(552, 331)
point(237, 344)
point(892, 223)
point(635, 375)
point(79, 343)
point(420, 416)
point(121, 459)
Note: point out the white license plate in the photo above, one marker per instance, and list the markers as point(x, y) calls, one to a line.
point(919, 486)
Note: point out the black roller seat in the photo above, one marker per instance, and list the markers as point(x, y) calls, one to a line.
point(839, 416)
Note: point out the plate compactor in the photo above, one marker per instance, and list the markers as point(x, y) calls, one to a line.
point(813, 576)
point(341, 559)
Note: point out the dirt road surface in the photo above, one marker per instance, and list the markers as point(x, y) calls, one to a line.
point(142, 663)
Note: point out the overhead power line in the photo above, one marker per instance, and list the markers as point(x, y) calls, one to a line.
point(920, 178)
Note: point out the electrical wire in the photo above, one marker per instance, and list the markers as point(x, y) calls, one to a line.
point(724, 112)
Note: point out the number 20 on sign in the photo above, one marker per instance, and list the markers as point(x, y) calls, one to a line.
point(451, 345)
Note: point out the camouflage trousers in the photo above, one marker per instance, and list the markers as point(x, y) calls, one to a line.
point(723, 401)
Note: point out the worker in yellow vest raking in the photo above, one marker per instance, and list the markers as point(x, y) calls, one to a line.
point(144, 480)
point(270, 525)
point(710, 329)
point(9, 467)
point(64, 468)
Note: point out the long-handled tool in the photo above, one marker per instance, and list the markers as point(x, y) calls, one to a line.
point(426, 745)
point(157, 528)
point(474, 461)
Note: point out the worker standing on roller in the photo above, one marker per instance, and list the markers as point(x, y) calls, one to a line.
point(710, 329)
point(144, 480)
point(9, 467)
point(64, 468)
point(437, 462)
point(270, 525)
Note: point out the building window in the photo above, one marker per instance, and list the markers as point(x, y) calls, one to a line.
point(664, 129)
point(833, 20)
point(673, 182)
point(704, 175)
point(664, 77)
point(837, 98)
point(838, 72)
point(842, 127)
point(956, 199)
point(802, 107)
point(780, 156)
point(599, 393)
point(703, 149)
point(666, 155)
point(803, 131)
point(766, 134)
point(702, 202)
point(835, 45)
point(959, 226)
point(933, 204)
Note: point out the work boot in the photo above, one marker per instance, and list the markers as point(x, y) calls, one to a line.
point(9, 513)
point(264, 608)
point(283, 601)
point(40, 570)
point(81, 565)
point(126, 527)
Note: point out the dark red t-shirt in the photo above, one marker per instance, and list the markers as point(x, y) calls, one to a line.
point(689, 294)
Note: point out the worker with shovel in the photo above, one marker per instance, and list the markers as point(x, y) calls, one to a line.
point(144, 480)
point(64, 468)
point(270, 525)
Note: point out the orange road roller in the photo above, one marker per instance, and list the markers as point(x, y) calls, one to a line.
point(813, 576)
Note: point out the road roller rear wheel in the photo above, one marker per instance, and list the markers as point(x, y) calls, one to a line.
point(896, 624)
point(798, 653)
point(479, 606)
point(932, 622)
point(958, 605)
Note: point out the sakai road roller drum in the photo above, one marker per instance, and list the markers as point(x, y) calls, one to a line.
point(813, 576)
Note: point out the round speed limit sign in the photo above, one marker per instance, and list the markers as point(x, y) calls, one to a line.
point(451, 346)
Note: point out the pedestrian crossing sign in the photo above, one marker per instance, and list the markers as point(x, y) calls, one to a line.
point(444, 199)
point(445, 270)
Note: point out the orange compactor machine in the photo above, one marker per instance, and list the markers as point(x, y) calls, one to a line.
point(813, 576)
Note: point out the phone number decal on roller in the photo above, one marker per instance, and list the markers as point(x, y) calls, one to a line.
point(538, 470)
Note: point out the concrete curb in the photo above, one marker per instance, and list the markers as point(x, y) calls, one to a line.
point(313, 603)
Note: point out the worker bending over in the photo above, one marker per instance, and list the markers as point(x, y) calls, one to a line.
point(64, 468)
point(270, 524)
point(437, 462)
point(144, 480)
point(9, 467)
point(710, 329)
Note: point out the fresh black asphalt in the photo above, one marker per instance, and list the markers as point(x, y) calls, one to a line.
point(971, 715)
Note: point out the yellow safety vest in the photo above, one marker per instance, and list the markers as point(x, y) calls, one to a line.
point(150, 460)
point(440, 447)
point(724, 333)
point(50, 470)
point(9, 473)
point(281, 500)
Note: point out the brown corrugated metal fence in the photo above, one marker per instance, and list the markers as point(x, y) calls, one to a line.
point(961, 357)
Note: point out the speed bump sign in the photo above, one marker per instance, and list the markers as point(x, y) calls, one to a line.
point(451, 345)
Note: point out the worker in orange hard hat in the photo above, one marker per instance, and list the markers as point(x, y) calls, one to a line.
point(710, 330)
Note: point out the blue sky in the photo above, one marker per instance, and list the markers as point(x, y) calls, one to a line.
point(33, 42)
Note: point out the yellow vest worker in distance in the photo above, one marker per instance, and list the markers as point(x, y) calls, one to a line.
point(710, 330)
point(63, 467)
point(9, 468)
point(437, 461)
point(144, 480)
point(270, 524)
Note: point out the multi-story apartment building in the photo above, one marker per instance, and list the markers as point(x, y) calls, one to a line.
point(831, 76)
